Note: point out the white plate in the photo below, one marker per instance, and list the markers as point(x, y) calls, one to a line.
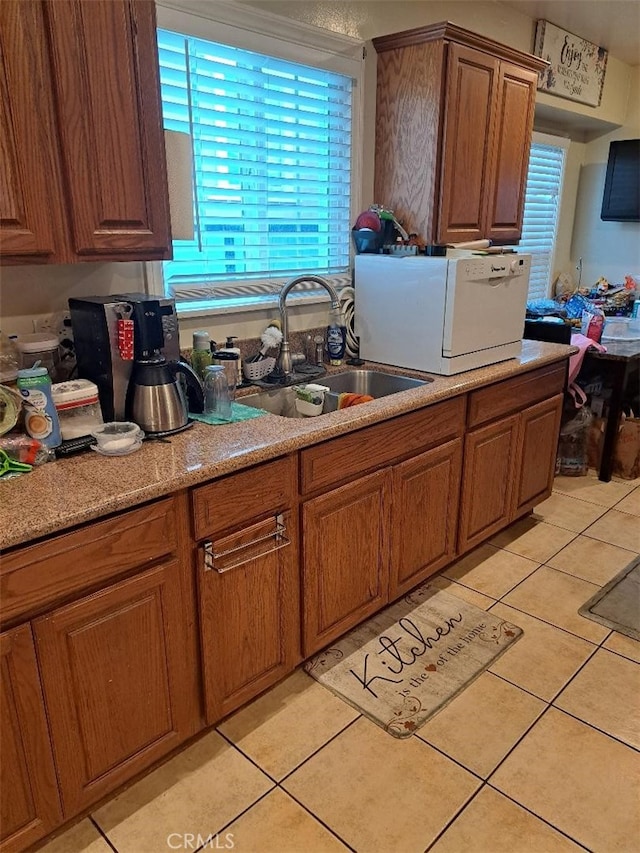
point(124, 452)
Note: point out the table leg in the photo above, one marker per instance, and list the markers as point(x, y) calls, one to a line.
point(618, 374)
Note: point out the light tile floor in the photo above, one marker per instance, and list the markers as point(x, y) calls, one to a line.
point(540, 755)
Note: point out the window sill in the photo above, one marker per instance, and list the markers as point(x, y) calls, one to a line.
point(239, 305)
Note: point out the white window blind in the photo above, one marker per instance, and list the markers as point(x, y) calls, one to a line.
point(541, 208)
point(272, 144)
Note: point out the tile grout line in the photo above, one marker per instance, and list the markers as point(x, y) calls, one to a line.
point(552, 624)
point(248, 757)
point(316, 751)
point(597, 729)
point(102, 833)
point(455, 817)
point(539, 817)
point(320, 821)
point(550, 556)
point(298, 766)
point(234, 819)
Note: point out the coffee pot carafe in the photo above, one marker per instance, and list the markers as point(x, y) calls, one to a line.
point(157, 402)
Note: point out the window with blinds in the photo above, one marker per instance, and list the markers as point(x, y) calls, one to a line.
point(541, 208)
point(271, 168)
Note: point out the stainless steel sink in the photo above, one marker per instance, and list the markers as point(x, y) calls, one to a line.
point(372, 382)
point(282, 401)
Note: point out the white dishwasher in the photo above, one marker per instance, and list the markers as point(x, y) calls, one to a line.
point(440, 315)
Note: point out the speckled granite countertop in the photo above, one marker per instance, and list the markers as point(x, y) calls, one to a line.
point(68, 492)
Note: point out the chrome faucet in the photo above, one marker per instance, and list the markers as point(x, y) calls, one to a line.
point(284, 365)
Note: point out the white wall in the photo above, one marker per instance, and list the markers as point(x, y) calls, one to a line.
point(609, 249)
point(29, 291)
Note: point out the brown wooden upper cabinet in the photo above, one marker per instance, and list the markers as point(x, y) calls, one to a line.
point(83, 170)
point(453, 130)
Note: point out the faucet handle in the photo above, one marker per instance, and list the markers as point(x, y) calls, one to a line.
point(319, 342)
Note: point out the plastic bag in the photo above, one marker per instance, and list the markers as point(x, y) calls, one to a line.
point(572, 459)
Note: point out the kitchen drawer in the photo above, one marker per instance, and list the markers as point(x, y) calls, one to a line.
point(356, 454)
point(239, 498)
point(37, 576)
point(513, 395)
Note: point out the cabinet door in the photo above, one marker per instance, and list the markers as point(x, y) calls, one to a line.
point(27, 168)
point(538, 433)
point(249, 591)
point(515, 102)
point(30, 807)
point(105, 68)
point(115, 685)
point(472, 80)
point(424, 515)
point(345, 574)
point(489, 460)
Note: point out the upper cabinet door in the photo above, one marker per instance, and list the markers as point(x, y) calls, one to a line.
point(472, 80)
point(105, 68)
point(27, 171)
point(510, 152)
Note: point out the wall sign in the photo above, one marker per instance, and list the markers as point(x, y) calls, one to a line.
point(577, 67)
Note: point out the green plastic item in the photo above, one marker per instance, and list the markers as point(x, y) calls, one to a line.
point(9, 465)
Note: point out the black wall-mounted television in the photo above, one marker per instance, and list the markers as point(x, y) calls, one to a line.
point(621, 197)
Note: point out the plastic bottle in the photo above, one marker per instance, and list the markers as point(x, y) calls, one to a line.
point(201, 353)
point(336, 337)
point(41, 418)
point(229, 347)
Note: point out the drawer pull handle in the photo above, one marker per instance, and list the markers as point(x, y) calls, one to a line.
point(230, 558)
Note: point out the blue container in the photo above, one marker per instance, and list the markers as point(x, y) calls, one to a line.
point(40, 415)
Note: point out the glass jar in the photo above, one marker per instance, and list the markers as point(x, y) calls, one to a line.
point(9, 361)
point(41, 347)
point(217, 399)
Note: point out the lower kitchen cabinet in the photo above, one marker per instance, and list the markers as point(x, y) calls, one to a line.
point(346, 550)
point(246, 527)
point(489, 469)
point(424, 515)
point(389, 521)
point(249, 591)
point(116, 683)
point(30, 805)
point(509, 451)
point(536, 459)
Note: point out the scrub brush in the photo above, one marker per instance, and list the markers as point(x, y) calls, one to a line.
point(271, 337)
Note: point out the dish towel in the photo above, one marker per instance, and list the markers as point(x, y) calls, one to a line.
point(238, 413)
point(347, 400)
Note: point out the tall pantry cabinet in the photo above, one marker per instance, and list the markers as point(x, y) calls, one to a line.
point(453, 129)
point(82, 165)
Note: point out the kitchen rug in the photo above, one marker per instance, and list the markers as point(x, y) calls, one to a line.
point(410, 660)
point(617, 604)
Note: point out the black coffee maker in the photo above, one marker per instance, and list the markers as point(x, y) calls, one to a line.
point(156, 399)
point(103, 333)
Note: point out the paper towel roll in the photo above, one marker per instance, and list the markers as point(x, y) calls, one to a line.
point(180, 177)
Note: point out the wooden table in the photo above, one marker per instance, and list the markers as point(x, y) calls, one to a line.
point(618, 363)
